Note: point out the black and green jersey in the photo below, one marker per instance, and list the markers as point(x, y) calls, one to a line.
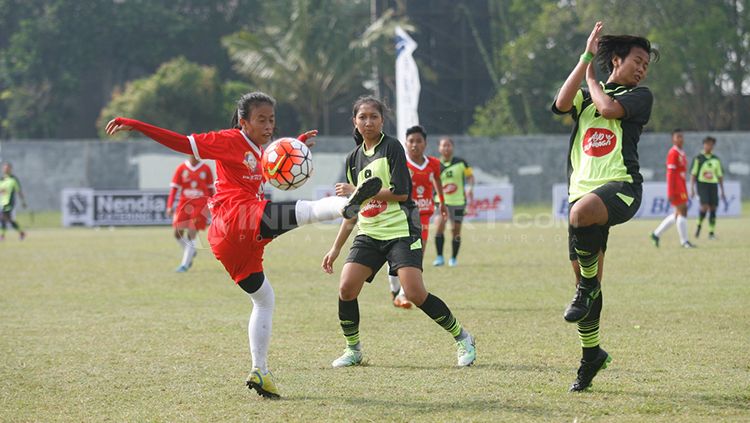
point(453, 174)
point(606, 150)
point(383, 220)
point(707, 169)
point(9, 188)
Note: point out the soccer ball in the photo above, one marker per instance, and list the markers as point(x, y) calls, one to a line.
point(286, 163)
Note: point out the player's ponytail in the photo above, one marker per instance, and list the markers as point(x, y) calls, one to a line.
point(620, 46)
point(247, 103)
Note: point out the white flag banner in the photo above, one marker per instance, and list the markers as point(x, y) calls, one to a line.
point(407, 84)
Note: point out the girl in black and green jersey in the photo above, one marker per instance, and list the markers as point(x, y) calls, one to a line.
point(604, 181)
point(389, 231)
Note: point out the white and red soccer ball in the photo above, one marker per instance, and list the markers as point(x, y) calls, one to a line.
point(286, 163)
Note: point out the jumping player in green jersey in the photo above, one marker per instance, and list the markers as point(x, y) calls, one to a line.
point(10, 189)
point(389, 231)
point(709, 174)
point(458, 188)
point(604, 181)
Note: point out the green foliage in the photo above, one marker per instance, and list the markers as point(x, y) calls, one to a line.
point(314, 55)
point(183, 96)
point(60, 59)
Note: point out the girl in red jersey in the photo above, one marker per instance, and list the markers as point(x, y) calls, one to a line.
point(243, 221)
point(193, 180)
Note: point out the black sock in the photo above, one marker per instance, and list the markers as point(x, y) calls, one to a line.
point(701, 216)
point(711, 221)
point(588, 242)
point(349, 320)
point(441, 314)
point(439, 242)
point(588, 330)
point(456, 246)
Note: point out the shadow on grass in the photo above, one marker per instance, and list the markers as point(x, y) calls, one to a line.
point(737, 402)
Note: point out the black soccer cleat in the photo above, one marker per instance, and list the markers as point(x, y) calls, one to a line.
point(369, 188)
point(588, 371)
point(655, 240)
point(580, 307)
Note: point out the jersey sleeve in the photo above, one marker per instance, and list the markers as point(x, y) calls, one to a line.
point(468, 171)
point(175, 183)
point(637, 104)
point(672, 160)
point(719, 170)
point(225, 145)
point(400, 177)
point(575, 110)
point(350, 172)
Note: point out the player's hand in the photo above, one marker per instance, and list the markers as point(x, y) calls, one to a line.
point(170, 211)
point(328, 260)
point(307, 137)
point(592, 44)
point(692, 193)
point(114, 127)
point(344, 190)
point(443, 210)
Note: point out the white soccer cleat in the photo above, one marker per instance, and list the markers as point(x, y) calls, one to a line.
point(349, 358)
point(467, 352)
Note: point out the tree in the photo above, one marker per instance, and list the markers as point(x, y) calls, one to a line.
point(183, 96)
point(314, 55)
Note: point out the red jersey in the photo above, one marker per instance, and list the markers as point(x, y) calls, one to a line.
point(192, 182)
point(676, 171)
point(422, 178)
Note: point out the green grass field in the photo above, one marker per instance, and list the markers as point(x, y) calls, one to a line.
point(96, 326)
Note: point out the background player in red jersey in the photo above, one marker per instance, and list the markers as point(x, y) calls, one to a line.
point(676, 191)
point(243, 222)
point(193, 181)
point(425, 178)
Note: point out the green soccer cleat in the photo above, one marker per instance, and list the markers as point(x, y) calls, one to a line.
point(466, 351)
point(349, 358)
point(263, 384)
point(588, 370)
point(369, 188)
point(655, 240)
point(581, 305)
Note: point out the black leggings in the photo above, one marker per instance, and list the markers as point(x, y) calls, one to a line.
point(278, 218)
point(6, 218)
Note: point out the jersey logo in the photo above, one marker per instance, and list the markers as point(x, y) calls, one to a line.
point(707, 174)
point(373, 208)
point(250, 160)
point(450, 188)
point(598, 142)
point(203, 175)
point(420, 190)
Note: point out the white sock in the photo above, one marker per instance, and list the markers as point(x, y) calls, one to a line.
point(188, 251)
point(328, 208)
point(682, 229)
point(259, 326)
point(395, 283)
point(664, 225)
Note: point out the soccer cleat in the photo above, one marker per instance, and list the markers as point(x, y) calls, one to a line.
point(588, 370)
point(349, 358)
point(655, 240)
point(581, 305)
point(439, 261)
point(697, 231)
point(262, 383)
point(688, 244)
point(369, 188)
point(466, 351)
point(181, 269)
point(711, 236)
point(452, 262)
point(401, 301)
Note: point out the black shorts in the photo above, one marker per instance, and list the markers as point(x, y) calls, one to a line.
point(455, 213)
point(622, 200)
point(708, 193)
point(373, 253)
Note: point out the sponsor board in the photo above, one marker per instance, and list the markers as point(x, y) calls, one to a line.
point(88, 207)
point(655, 203)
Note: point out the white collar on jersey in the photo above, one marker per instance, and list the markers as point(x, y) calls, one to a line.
point(257, 149)
point(420, 167)
point(191, 167)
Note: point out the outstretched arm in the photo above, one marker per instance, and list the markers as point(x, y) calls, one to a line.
point(165, 137)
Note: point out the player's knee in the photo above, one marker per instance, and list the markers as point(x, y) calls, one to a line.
point(347, 292)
